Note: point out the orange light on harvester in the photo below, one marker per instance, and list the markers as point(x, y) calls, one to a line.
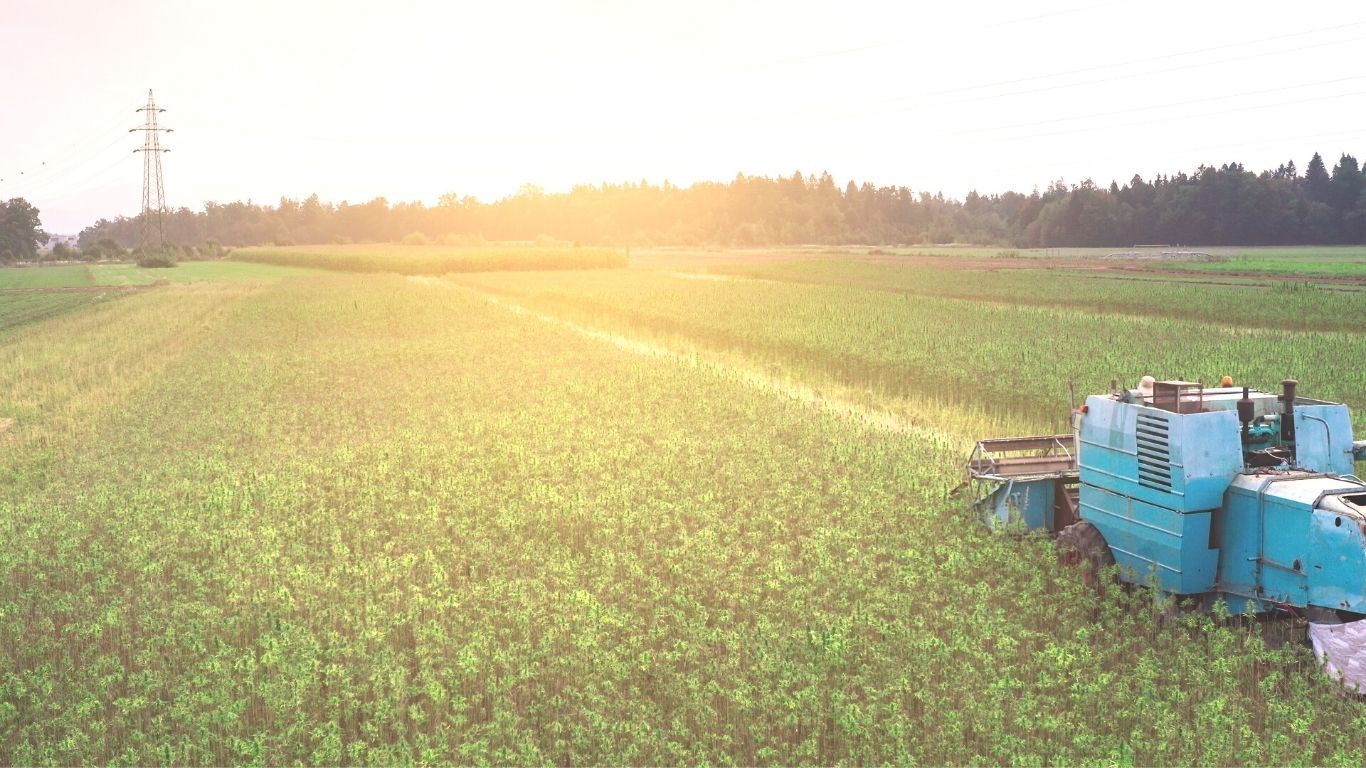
point(1227, 381)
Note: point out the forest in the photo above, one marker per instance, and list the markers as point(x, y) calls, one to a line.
point(1223, 205)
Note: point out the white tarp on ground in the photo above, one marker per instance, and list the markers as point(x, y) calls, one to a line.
point(1341, 649)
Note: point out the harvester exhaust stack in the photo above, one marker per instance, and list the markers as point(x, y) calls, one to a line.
point(1288, 419)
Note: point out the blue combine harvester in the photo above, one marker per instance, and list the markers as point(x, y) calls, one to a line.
point(1211, 494)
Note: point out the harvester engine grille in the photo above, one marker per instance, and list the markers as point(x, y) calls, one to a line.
point(1154, 453)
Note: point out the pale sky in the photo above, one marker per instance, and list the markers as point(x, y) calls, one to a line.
point(408, 100)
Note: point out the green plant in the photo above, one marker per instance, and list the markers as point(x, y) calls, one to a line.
point(156, 260)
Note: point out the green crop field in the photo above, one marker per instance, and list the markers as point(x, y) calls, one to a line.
point(1347, 262)
point(1004, 359)
point(44, 277)
point(1267, 303)
point(20, 309)
point(30, 295)
point(433, 260)
point(698, 510)
point(192, 271)
point(38, 278)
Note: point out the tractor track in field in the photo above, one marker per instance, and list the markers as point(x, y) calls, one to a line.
point(880, 419)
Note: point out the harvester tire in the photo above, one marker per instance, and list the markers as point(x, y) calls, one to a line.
point(1082, 549)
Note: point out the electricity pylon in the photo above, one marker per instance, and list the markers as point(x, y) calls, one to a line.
point(153, 194)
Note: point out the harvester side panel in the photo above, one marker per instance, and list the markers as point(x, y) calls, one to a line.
point(1152, 542)
point(1291, 538)
point(1028, 502)
point(1150, 480)
point(1337, 578)
point(1263, 543)
point(1323, 438)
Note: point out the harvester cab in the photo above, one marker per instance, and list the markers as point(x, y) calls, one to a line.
point(1213, 494)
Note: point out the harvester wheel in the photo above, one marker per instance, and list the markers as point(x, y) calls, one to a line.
point(1082, 548)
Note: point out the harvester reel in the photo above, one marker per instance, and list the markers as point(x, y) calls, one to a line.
point(1082, 549)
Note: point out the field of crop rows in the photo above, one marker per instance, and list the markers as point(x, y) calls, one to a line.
point(432, 260)
point(646, 516)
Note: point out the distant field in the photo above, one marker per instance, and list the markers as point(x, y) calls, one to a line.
point(1259, 303)
point(1012, 359)
point(1346, 261)
point(44, 277)
point(191, 272)
point(82, 275)
point(1307, 261)
point(31, 295)
point(433, 260)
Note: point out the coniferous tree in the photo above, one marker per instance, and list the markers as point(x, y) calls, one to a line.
point(1316, 180)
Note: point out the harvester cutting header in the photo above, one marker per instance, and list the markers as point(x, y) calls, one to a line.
point(1212, 494)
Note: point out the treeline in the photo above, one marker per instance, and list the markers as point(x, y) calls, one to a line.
point(1225, 205)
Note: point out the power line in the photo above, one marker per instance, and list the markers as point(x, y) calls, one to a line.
point(89, 181)
point(1152, 108)
point(1049, 15)
point(837, 52)
point(963, 94)
point(844, 113)
point(1147, 60)
point(1222, 146)
point(42, 171)
point(1034, 167)
point(1184, 117)
point(1133, 75)
point(64, 171)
